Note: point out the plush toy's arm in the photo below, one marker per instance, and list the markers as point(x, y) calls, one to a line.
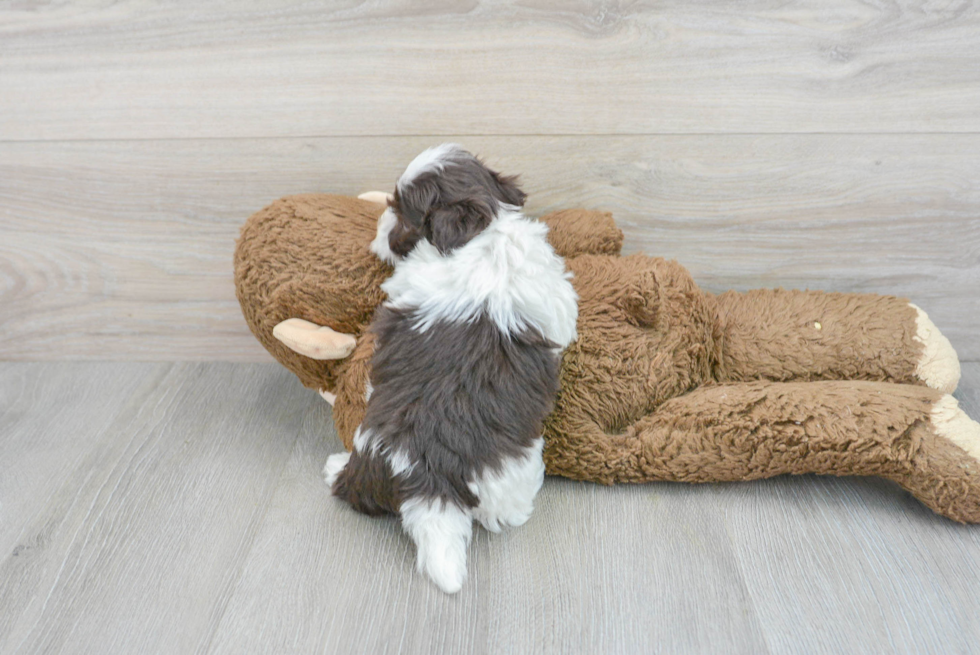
point(352, 385)
point(575, 232)
point(913, 435)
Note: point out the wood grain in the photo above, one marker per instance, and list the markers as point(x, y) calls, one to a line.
point(180, 509)
point(138, 549)
point(857, 566)
point(595, 570)
point(122, 250)
point(264, 68)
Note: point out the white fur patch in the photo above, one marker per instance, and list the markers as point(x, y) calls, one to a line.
point(367, 445)
point(399, 462)
point(364, 442)
point(507, 497)
point(441, 532)
point(952, 423)
point(380, 247)
point(368, 390)
point(335, 464)
point(430, 159)
point(509, 270)
point(939, 367)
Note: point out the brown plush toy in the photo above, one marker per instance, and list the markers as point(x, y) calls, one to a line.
point(665, 382)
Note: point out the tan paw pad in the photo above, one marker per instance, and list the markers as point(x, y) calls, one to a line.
point(952, 423)
point(939, 366)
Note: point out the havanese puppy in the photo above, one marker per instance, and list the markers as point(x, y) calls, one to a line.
point(465, 370)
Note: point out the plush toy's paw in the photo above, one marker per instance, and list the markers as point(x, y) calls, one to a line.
point(329, 397)
point(379, 197)
point(335, 464)
point(951, 422)
point(441, 532)
point(939, 366)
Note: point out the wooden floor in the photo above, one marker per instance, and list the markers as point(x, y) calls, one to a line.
point(179, 508)
point(160, 486)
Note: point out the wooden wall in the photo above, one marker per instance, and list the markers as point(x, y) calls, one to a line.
point(830, 144)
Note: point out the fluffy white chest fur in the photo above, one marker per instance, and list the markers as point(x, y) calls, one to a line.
point(509, 271)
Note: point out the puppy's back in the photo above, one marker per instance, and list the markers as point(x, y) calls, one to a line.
point(454, 400)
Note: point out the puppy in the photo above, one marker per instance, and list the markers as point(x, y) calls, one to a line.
point(466, 362)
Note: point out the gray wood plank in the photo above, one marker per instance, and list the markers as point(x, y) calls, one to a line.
point(122, 250)
point(596, 569)
point(138, 550)
point(52, 417)
point(193, 518)
point(268, 68)
point(857, 565)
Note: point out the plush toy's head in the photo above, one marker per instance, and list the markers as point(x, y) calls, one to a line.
point(306, 258)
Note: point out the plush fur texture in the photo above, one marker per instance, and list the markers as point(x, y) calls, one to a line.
point(466, 364)
point(666, 382)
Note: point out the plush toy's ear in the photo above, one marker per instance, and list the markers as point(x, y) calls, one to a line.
point(508, 189)
point(312, 340)
point(378, 197)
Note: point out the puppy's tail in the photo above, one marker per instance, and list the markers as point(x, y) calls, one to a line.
point(441, 531)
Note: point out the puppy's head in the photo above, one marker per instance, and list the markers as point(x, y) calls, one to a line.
point(446, 196)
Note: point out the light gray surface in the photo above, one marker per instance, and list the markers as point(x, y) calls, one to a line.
point(156, 70)
point(122, 250)
point(179, 508)
point(823, 144)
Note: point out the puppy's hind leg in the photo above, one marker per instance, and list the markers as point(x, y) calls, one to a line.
point(507, 496)
point(441, 532)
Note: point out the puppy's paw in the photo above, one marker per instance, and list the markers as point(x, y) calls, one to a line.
point(335, 464)
point(512, 515)
point(507, 496)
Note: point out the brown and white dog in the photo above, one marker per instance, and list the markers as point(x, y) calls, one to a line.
point(466, 364)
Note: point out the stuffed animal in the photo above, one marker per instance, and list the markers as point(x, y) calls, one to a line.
point(666, 381)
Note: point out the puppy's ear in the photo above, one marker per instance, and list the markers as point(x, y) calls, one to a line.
point(403, 238)
point(508, 189)
point(411, 208)
point(452, 226)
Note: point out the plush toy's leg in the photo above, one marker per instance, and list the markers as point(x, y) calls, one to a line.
point(781, 335)
point(353, 381)
point(910, 434)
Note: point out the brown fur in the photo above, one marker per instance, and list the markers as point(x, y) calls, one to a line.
point(665, 382)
